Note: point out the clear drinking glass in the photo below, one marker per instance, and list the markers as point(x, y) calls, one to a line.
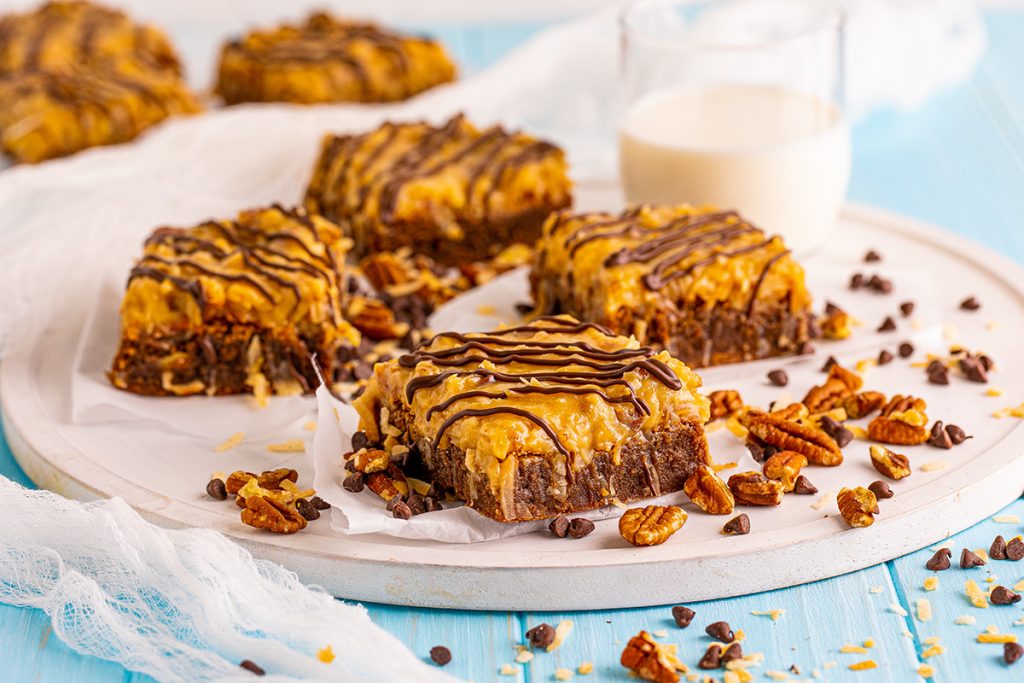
point(737, 103)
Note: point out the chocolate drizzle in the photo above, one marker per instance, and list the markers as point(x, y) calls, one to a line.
point(588, 370)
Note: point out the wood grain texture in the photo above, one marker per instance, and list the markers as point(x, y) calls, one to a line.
point(958, 162)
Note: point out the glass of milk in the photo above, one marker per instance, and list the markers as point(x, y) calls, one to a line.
point(738, 103)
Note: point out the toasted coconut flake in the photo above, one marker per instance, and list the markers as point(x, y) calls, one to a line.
point(964, 620)
point(289, 446)
point(875, 589)
point(863, 666)
point(924, 610)
point(997, 638)
point(896, 608)
point(585, 668)
point(934, 466)
point(851, 649)
point(932, 651)
point(925, 671)
point(1006, 519)
point(230, 442)
point(563, 674)
point(508, 670)
point(325, 654)
point(562, 632)
point(775, 614)
point(931, 583)
point(975, 594)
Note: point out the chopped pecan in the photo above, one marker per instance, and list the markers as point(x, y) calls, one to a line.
point(264, 512)
point(863, 404)
point(892, 465)
point(858, 506)
point(649, 659)
point(836, 325)
point(753, 488)
point(784, 467)
point(724, 403)
point(902, 422)
point(236, 480)
point(708, 492)
point(370, 460)
point(793, 412)
point(273, 479)
point(840, 384)
point(384, 269)
point(384, 485)
point(814, 444)
point(651, 525)
point(374, 319)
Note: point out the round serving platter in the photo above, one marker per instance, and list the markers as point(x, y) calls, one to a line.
point(162, 473)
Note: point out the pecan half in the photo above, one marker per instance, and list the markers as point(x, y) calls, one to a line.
point(814, 444)
point(649, 659)
point(651, 525)
point(724, 403)
point(370, 460)
point(863, 404)
point(708, 492)
point(840, 384)
point(793, 412)
point(902, 422)
point(264, 512)
point(753, 488)
point(784, 467)
point(858, 506)
point(892, 465)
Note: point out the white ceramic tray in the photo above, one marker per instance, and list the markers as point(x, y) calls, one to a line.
point(162, 474)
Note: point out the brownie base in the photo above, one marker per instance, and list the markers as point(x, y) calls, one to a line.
point(216, 358)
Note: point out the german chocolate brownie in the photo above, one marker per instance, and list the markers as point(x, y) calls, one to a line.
point(452, 192)
point(330, 60)
point(702, 283)
point(543, 419)
point(232, 307)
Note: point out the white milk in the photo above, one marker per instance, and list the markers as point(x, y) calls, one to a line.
point(781, 158)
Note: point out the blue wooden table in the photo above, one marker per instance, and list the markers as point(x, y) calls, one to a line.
point(960, 163)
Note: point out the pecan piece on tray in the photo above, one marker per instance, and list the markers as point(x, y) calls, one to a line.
point(838, 386)
point(814, 444)
point(724, 403)
point(902, 422)
point(708, 492)
point(753, 488)
point(649, 659)
point(784, 467)
point(891, 464)
point(858, 506)
point(264, 512)
point(651, 525)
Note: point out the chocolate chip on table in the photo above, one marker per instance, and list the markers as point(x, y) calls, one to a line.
point(737, 526)
point(957, 435)
point(1012, 652)
point(971, 303)
point(541, 635)
point(939, 437)
point(734, 651)
point(252, 666)
point(1015, 549)
point(683, 615)
point(885, 357)
point(937, 373)
point(432, 504)
point(806, 349)
point(440, 655)
point(756, 451)
point(997, 551)
point(778, 377)
point(216, 489)
point(559, 526)
point(968, 560)
point(360, 441)
point(829, 362)
point(720, 630)
point(840, 434)
point(1001, 595)
point(831, 308)
point(401, 511)
point(856, 282)
point(973, 369)
point(308, 512)
point(881, 490)
point(872, 256)
point(712, 658)
point(319, 503)
point(940, 560)
point(907, 309)
point(580, 527)
point(523, 307)
point(354, 482)
point(803, 486)
point(879, 284)
point(986, 362)
point(416, 504)
point(888, 325)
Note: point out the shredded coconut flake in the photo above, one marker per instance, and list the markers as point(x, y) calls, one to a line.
point(896, 608)
point(934, 466)
point(975, 594)
point(863, 666)
point(875, 589)
point(964, 620)
point(924, 609)
point(289, 446)
point(775, 614)
point(230, 442)
point(931, 583)
point(562, 632)
point(1006, 519)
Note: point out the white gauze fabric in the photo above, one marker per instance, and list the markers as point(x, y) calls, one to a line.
point(182, 605)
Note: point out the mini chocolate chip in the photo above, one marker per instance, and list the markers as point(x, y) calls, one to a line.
point(881, 490)
point(431, 504)
point(778, 377)
point(734, 651)
point(957, 435)
point(216, 489)
point(803, 486)
point(712, 659)
point(541, 635)
point(683, 615)
point(309, 512)
point(969, 560)
point(997, 551)
point(434, 491)
point(973, 370)
point(252, 666)
point(888, 325)
point(1002, 595)
point(720, 631)
point(1015, 549)
point(885, 357)
point(829, 362)
point(872, 256)
point(395, 500)
point(831, 308)
point(319, 503)
point(401, 458)
point(806, 349)
point(440, 655)
point(940, 560)
point(906, 350)
point(970, 304)
point(523, 307)
point(354, 482)
point(401, 511)
point(360, 441)
point(416, 504)
point(880, 285)
point(939, 375)
point(559, 526)
point(756, 451)
point(1012, 652)
point(907, 308)
point(840, 434)
point(938, 437)
point(580, 527)
point(986, 362)
point(362, 370)
point(737, 526)
point(350, 464)
point(856, 282)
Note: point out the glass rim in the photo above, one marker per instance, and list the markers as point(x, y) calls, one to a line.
point(833, 21)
